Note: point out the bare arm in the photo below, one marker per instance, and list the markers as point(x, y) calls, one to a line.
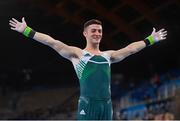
point(118, 55)
point(64, 50)
point(135, 47)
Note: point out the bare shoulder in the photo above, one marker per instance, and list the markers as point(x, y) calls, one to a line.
point(68, 52)
point(115, 55)
point(77, 52)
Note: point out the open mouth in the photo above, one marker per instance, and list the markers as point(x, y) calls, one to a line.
point(96, 37)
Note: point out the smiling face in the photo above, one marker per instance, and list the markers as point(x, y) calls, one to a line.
point(93, 33)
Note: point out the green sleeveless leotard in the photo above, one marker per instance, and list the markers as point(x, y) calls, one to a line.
point(94, 73)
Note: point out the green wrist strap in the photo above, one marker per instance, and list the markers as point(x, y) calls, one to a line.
point(151, 39)
point(27, 31)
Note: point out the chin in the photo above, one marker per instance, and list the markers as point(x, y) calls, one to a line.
point(96, 41)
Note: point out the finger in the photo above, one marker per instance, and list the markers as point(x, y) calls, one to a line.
point(13, 28)
point(161, 33)
point(161, 30)
point(164, 32)
point(12, 22)
point(154, 30)
point(164, 35)
point(23, 19)
point(15, 20)
point(163, 38)
point(13, 25)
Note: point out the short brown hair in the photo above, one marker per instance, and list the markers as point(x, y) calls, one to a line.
point(92, 21)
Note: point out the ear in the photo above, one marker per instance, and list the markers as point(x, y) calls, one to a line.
point(84, 33)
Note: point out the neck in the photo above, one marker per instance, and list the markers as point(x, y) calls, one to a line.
point(93, 48)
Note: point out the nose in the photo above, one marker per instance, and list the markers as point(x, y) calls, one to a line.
point(97, 33)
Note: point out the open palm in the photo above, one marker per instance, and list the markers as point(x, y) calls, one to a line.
point(159, 35)
point(17, 26)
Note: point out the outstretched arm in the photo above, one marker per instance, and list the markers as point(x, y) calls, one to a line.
point(64, 50)
point(134, 47)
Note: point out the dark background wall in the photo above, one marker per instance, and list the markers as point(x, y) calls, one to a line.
point(124, 22)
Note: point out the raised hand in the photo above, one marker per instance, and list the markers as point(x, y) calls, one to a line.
point(159, 35)
point(18, 26)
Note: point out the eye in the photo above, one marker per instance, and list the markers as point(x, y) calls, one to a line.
point(100, 31)
point(93, 30)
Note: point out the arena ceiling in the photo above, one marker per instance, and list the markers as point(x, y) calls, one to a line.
point(124, 21)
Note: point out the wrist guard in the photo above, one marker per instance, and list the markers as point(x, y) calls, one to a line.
point(149, 40)
point(28, 32)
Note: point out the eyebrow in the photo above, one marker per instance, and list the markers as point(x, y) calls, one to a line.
point(95, 29)
point(99, 30)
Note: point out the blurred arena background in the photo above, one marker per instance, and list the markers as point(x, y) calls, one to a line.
point(37, 83)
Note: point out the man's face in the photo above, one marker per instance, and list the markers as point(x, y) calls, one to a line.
point(93, 33)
